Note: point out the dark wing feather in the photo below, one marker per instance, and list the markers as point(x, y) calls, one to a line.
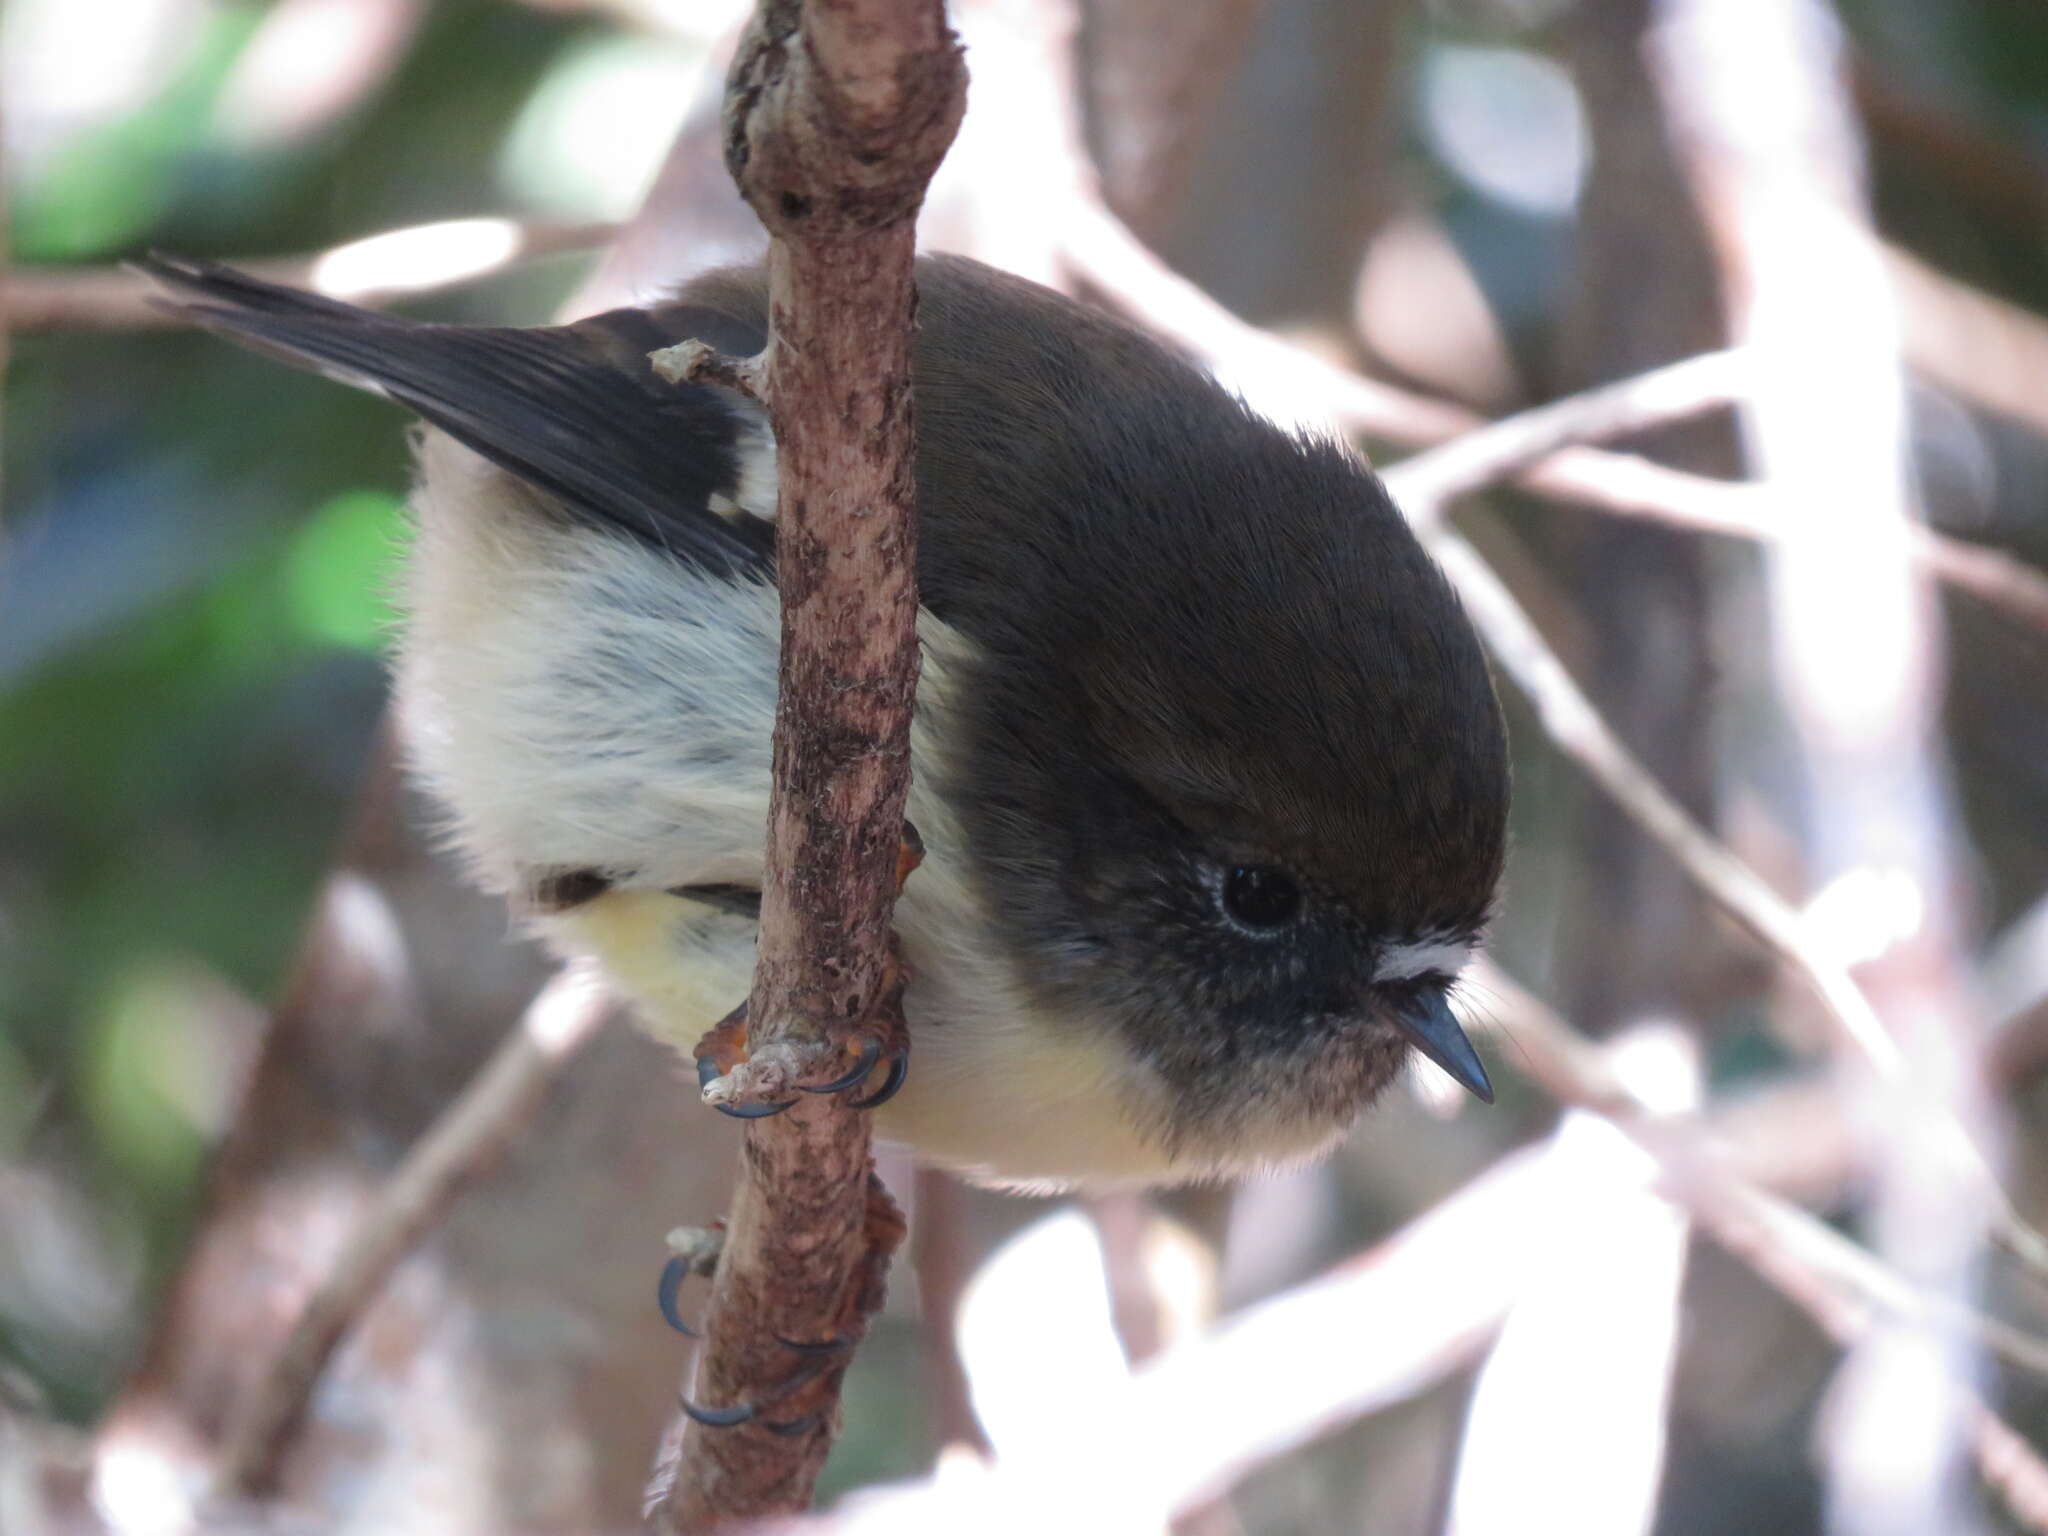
point(575, 410)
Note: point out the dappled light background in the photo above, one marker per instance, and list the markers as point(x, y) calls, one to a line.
point(236, 984)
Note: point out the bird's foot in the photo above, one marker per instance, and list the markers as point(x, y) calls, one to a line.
point(736, 1082)
point(692, 1251)
point(697, 1251)
point(730, 1078)
point(821, 1358)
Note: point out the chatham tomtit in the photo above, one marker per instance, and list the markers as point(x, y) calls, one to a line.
point(1208, 767)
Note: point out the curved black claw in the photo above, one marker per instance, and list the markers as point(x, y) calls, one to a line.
point(899, 1068)
point(718, 1418)
point(753, 1111)
point(837, 1344)
point(744, 1413)
point(870, 1053)
point(708, 1073)
point(668, 1290)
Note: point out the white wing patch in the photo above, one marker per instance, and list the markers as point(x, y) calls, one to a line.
point(755, 494)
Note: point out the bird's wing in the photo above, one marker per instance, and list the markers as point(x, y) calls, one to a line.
point(575, 410)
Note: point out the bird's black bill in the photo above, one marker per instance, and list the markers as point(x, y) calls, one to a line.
point(1427, 1021)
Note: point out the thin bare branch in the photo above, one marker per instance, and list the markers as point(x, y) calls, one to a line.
point(478, 1126)
point(1108, 257)
point(1579, 730)
point(375, 269)
point(1759, 109)
point(1105, 255)
point(1423, 488)
point(1157, 68)
point(1575, 1071)
point(1845, 1288)
point(1987, 350)
point(938, 1249)
point(1426, 484)
point(1572, 721)
point(1184, 1428)
point(2009, 1463)
point(838, 112)
point(1600, 1309)
point(1194, 1421)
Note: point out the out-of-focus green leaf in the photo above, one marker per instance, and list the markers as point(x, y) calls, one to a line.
point(149, 1038)
point(336, 571)
point(106, 190)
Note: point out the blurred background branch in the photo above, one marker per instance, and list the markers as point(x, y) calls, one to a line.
point(399, 263)
point(1399, 219)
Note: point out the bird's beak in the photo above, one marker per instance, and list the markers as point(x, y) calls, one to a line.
point(1427, 1021)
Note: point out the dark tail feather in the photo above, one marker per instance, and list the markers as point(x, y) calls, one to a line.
point(575, 410)
point(215, 284)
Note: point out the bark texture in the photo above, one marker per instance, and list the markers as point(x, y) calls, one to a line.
point(837, 113)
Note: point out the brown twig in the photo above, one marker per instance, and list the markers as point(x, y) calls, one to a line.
point(838, 112)
point(939, 1251)
point(372, 270)
point(498, 1103)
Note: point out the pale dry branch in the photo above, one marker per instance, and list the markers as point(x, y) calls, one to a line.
point(1599, 1310)
point(1190, 1424)
point(1156, 70)
point(1759, 110)
point(500, 1101)
point(1697, 1156)
point(1105, 254)
point(939, 1252)
point(838, 112)
point(1843, 1287)
point(372, 270)
point(1193, 1422)
point(1987, 350)
point(1577, 727)
point(2011, 1464)
point(1426, 484)
point(1573, 722)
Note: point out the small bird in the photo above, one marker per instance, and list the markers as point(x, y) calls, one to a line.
point(1207, 762)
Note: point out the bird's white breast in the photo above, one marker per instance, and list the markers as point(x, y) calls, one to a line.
point(575, 701)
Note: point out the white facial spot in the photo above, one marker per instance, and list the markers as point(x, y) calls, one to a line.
point(1420, 957)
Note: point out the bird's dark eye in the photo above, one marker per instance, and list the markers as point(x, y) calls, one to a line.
point(1260, 896)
